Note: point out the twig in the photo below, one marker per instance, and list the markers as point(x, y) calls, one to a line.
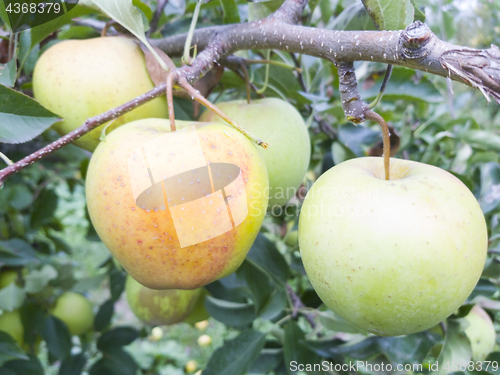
point(298, 304)
point(156, 16)
point(387, 76)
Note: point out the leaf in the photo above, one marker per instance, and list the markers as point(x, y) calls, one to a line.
point(267, 361)
point(32, 366)
point(258, 282)
point(336, 323)
point(11, 297)
point(56, 335)
point(39, 33)
point(16, 252)
point(21, 197)
point(456, 349)
point(230, 10)
point(9, 349)
point(390, 14)
point(156, 72)
point(293, 349)
point(482, 139)
point(104, 315)
point(44, 208)
point(354, 137)
point(37, 280)
point(234, 357)
point(266, 256)
point(275, 304)
point(22, 118)
point(230, 313)
point(402, 86)
point(489, 196)
point(120, 336)
point(8, 73)
point(117, 280)
point(341, 153)
point(126, 14)
point(73, 365)
point(354, 17)
point(3, 15)
point(115, 362)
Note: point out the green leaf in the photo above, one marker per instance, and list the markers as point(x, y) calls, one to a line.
point(482, 139)
point(32, 366)
point(266, 256)
point(230, 10)
point(402, 86)
point(56, 335)
point(8, 73)
point(293, 349)
point(341, 153)
point(234, 357)
point(354, 17)
point(22, 118)
point(3, 15)
point(267, 361)
point(120, 336)
point(489, 196)
point(390, 14)
point(104, 315)
point(336, 323)
point(355, 137)
point(275, 304)
point(456, 349)
point(44, 208)
point(117, 280)
point(9, 349)
point(16, 252)
point(11, 297)
point(21, 197)
point(37, 280)
point(115, 362)
point(39, 33)
point(144, 9)
point(73, 365)
point(126, 14)
point(258, 282)
point(230, 313)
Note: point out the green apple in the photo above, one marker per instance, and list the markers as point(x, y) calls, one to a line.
point(278, 123)
point(78, 79)
point(160, 307)
point(393, 257)
point(76, 311)
point(481, 333)
point(10, 322)
point(179, 232)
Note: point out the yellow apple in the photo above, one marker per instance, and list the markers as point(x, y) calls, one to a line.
point(78, 79)
point(10, 322)
point(76, 311)
point(278, 123)
point(393, 257)
point(160, 307)
point(481, 333)
point(177, 210)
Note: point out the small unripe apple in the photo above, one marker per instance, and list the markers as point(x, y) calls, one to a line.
point(204, 340)
point(481, 333)
point(191, 366)
point(177, 210)
point(278, 123)
point(393, 257)
point(160, 307)
point(78, 79)
point(76, 311)
point(10, 322)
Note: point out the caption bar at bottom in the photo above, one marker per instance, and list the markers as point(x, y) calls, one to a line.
point(389, 367)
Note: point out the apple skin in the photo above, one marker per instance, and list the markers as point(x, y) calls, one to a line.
point(10, 322)
point(76, 311)
point(160, 307)
point(78, 79)
point(481, 333)
point(138, 239)
point(278, 123)
point(393, 257)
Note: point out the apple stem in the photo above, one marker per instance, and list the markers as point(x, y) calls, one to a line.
point(6, 159)
point(106, 27)
point(195, 94)
point(247, 81)
point(370, 115)
point(170, 100)
point(266, 78)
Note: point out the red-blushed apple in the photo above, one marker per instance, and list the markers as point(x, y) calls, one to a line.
point(392, 256)
point(178, 209)
point(481, 333)
point(160, 307)
point(78, 79)
point(76, 311)
point(278, 123)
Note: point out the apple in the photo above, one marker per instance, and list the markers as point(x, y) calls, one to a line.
point(481, 333)
point(278, 123)
point(392, 256)
point(181, 232)
point(160, 307)
point(10, 322)
point(76, 311)
point(7, 277)
point(78, 79)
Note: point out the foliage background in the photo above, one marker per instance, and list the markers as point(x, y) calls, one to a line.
point(45, 228)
